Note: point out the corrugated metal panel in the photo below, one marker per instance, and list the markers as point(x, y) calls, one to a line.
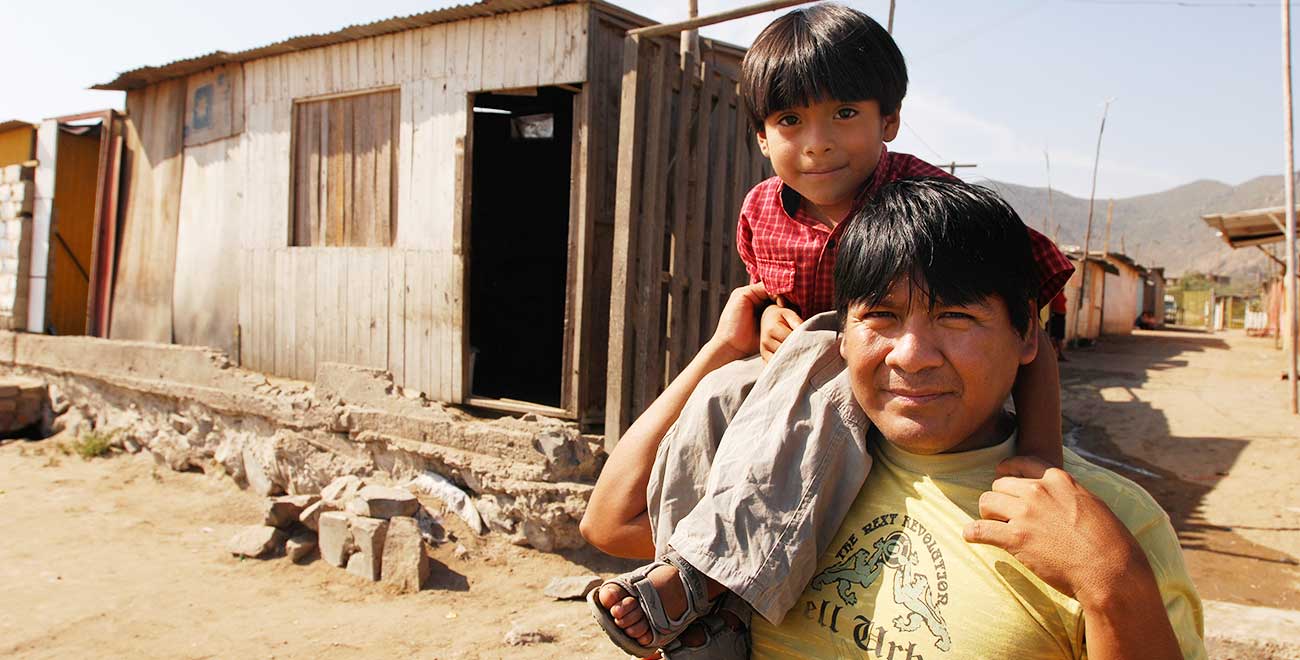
point(151, 74)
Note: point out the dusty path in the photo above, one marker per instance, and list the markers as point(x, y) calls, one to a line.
point(1202, 422)
point(114, 558)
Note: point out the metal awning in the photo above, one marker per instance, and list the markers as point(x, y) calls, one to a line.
point(1249, 228)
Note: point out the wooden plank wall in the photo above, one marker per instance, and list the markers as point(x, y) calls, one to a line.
point(142, 291)
point(687, 158)
point(399, 308)
point(206, 287)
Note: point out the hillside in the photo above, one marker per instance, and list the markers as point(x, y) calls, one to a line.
point(1161, 229)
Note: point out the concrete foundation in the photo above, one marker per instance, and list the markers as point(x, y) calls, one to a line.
point(529, 477)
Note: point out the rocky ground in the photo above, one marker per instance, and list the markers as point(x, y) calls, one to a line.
point(119, 557)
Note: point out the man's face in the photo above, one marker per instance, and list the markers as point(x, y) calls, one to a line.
point(933, 380)
point(826, 150)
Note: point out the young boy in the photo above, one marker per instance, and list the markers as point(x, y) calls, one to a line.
point(823, 86)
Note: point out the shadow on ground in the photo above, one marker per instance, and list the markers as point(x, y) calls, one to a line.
point(1225, 565)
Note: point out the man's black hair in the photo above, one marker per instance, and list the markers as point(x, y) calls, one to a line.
point(822, 52)
point(959, 243)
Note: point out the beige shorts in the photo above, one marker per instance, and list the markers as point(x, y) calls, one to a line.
point(752, 482)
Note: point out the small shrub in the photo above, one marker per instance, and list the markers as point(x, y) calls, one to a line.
point(93, 444)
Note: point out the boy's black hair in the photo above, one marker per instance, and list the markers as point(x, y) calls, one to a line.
point(959, 243)
point(826, 51)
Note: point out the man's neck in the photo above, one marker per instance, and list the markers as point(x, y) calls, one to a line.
point(996, 429)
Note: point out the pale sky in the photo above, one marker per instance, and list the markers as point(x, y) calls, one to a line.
point(995, 82)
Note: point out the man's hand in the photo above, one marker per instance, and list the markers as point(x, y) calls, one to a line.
point(737, 334)
point(777, 324)
point(1066, 535)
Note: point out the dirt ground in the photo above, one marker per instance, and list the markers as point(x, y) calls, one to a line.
point(1203, 422)
point(119, 558)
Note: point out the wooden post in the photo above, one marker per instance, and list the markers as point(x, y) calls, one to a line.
point(1087, 234)
point(1047, 229)
point(890, 27)
point(1289, 281)
point(691, 38)
point(713, 19)
point(1110, 215)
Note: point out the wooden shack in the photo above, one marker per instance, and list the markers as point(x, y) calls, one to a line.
point(435, 196)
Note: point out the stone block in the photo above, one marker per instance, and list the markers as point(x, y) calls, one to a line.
point(405, 565)
point(368, 536)
point(6, 192)
point(572, 588)
point(335, 538)
point(310, 516)
point(300, 546)
point(284, 511)
point(22, 191)
point(383, 502)
point(342, 489)
point(257, 541)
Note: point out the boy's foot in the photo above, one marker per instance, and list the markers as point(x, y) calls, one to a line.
point(627, 611)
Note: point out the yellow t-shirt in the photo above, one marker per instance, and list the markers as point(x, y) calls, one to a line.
point(900, 583)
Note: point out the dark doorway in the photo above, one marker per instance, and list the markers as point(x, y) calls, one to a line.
point(519, 229)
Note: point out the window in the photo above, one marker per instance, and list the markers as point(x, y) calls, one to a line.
point(345, 170)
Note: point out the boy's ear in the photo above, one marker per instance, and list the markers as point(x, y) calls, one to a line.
point(1030, 342)
point(890, 124)
point(761, 136)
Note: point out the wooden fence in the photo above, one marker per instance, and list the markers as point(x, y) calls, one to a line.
point(687, 157)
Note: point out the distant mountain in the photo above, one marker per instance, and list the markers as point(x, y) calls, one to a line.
point(1161, 229)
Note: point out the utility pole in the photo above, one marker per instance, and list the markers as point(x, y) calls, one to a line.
point(890, 27)
point(1047, 229)
point(1087, 234)
point(1110, 215)
point(952, 167)
point(1289, 149)
point(691, 38)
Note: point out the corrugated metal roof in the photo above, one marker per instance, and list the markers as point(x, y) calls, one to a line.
point(1247, 228)
point(152, 74)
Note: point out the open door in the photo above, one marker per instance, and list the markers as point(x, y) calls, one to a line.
point(519, 229)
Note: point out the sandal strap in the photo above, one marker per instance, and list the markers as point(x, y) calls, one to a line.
point(697, 597)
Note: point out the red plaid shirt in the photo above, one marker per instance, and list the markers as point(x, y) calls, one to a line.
point(794, 255)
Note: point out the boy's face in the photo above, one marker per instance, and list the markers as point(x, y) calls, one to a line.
point(826, 150)
point(933, 380)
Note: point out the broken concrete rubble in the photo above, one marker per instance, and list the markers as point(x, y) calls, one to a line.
point(405, 565)
point(257, 541)
point(383, 502)
point(335, 538)
point(368, 537)
point(300, 546)
point(194, 410)
point(283, 512)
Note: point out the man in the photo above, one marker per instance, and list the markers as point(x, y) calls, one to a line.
point(954, 547)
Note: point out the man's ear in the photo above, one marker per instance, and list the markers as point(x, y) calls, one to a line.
point(1030, 342)
point(761, 136)
point(890, 124)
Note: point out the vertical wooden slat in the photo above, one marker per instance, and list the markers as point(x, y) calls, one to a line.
point(700, 160)
point(733, 267)
point(301, 179)
point(462, 212)
point(358, 307)
point(396, 290)
point(338, 150)
point(571, 44)
point(722, 221)
point(650, 334)
point(475, 45)
point(363, 172)
point(546, 40)
point(525, 44)
point(433, 51)
point(495, 53)
point(382, 127)
point(637, 77)
point(680, 171)
point(305, 326)
point(246, 292)
point(285, 336)
point(370, 53)
point(378, 303)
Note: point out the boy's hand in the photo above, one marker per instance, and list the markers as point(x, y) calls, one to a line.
point(737, 334)
point(777, 324)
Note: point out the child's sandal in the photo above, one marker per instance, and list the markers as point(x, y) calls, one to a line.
point(663, 628)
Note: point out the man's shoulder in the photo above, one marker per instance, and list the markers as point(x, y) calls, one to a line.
point(1131, 503)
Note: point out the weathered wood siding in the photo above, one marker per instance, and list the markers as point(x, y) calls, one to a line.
point(142, 291)
point(399, 308)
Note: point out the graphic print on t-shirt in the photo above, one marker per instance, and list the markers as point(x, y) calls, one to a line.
point(891, 547)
